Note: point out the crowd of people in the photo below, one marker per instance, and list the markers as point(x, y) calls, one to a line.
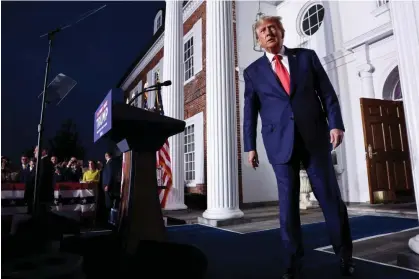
point(72, 170)
point(52, 171)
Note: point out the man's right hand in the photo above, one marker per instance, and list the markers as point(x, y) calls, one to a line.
point(253, 159)
point(106, 188)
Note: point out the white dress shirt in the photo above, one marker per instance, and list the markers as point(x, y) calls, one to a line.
point(284, 60)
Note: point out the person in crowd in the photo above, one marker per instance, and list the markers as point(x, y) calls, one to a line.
point(109, 182)
point(5, 170)
point(46, 181)
point(54, 160)
point(30, 184)
point(73, 171)
point(32, 163)
point(58, 175)
point(24, 169)
point(92, 175)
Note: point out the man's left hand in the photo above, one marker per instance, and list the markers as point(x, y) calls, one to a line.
point(336, 137)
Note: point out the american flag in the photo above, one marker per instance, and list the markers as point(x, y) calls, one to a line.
point(163, 161)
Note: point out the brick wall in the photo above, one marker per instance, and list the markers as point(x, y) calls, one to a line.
point(195, 98)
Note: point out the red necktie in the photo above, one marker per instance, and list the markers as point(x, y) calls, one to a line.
point(282, 73)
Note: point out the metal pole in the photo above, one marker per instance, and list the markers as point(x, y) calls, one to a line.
point(41, 121)
point(40, 130)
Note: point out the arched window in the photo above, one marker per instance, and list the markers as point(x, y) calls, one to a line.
point(397, 92)
point(392, 89)
point(158, 21)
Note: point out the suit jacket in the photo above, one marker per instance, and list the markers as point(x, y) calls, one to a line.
point(24, 174)
point(29, 185)
point(109, 179)
point(312, 106)
point(46, 177)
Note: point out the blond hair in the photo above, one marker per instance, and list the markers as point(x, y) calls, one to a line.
point(276, 19)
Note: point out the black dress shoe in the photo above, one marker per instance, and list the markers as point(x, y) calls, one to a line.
point(347, 267)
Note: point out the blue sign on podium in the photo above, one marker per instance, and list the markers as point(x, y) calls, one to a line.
point(103, 117)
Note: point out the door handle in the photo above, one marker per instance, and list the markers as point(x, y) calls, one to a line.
point(370, 153)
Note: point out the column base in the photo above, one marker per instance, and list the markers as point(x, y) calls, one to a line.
point(223, 217)
point(414, 244)
point(220, 214)
point(175, 206)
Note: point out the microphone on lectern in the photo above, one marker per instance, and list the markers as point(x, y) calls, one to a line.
point(160, 84)
point(166, 83)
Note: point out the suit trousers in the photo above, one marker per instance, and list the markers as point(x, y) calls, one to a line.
point(325, 187)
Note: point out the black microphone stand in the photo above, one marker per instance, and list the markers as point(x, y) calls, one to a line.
point(41, 124)
point(141, 93)
point(50, 35)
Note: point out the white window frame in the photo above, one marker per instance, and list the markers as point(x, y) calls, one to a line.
point(192, 57)
point(159, 15)
point(132, 94)
point(300, 18)
point(151, 95)
point(382, 2)
point(382, 6)
point(157, 68)
point(196, 34)
point(198, 121)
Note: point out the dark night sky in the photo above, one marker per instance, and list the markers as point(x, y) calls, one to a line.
point(96, 53)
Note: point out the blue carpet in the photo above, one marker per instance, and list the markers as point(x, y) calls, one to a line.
point(258, 255)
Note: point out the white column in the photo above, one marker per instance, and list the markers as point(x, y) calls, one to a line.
point(406, 32)
point(173, 97)
point(365, 74)
point(222, 169)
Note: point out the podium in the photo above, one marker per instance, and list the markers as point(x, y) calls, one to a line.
point(139, 134)
point(139, 240)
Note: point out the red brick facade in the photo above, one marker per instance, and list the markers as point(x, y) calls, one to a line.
point(195, 90)
point(195, 98)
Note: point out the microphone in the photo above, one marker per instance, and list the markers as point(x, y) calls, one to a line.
point(160, 84)
point(146, 89)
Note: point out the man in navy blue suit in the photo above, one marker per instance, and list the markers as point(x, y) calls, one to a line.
point(301, 122)
point(109, 180)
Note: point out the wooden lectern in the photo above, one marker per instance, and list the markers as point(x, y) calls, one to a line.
point(140, 134)
point(139, 239)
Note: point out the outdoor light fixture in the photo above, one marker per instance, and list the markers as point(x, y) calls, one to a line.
point(256, 46)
